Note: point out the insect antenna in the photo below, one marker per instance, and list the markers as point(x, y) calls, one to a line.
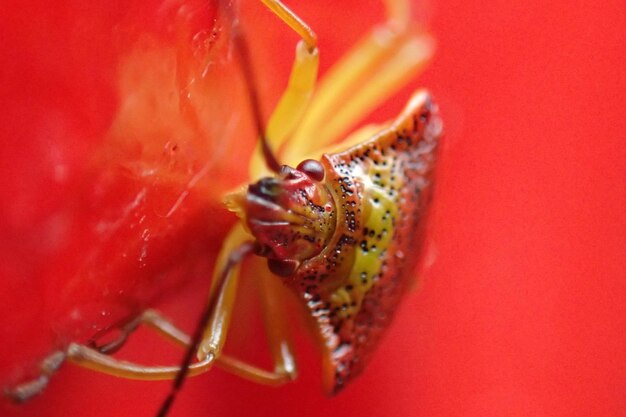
point(236, 256)
point(243, 51)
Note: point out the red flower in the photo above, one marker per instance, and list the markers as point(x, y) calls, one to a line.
point(123, 124)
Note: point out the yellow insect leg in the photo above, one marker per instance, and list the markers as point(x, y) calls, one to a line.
point(381, 63)
point(293, 21)
point(276, 328)
point(29, 389)
point(278, 338)
point(275, 325)
point(208, 350)
point(92, 359)
point(294, 101)
point(277, 333)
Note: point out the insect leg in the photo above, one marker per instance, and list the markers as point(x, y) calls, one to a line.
point(49, 366)
point(92, 359)
point(29, 389)
point(291, 107)
point(155, 321)
point(278, 338)
point(214, 329)
point(125, 330)
point(165, 328)
point(293, 21)
point(304, 54)
point(293, 103)
point(382, 62)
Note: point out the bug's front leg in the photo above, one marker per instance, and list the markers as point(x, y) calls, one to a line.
point(213, 335)
point(25, 391)
point(295, 99)
point(210, 335)
point(277, 332)
point(208, 340)
point(276, 328)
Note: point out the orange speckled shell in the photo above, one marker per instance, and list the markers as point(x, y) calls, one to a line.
point(382, 189)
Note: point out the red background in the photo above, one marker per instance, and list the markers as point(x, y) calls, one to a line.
point(523, 311)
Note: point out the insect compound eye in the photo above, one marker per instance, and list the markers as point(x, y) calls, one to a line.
point(267, 188)
point(283, 267)
point(312, 168)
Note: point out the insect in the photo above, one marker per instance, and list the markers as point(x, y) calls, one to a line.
point(340, 224)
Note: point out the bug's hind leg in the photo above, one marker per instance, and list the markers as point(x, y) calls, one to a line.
point(374, 69)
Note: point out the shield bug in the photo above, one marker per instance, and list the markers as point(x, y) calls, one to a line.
point(341, 224)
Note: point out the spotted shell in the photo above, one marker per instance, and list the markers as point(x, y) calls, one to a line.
point(382, 189)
